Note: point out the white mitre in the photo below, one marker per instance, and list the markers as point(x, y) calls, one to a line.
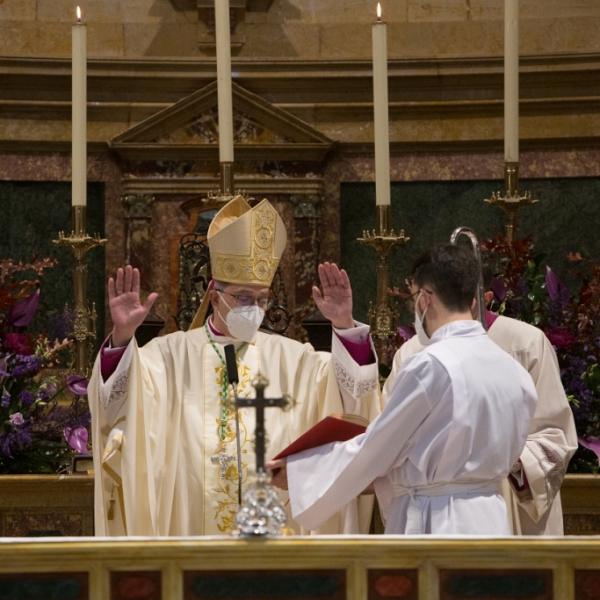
point(245, 246)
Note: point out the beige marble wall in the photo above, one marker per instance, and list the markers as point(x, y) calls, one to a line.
point(308, 29)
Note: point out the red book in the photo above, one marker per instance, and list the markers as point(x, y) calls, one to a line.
point(335, 428)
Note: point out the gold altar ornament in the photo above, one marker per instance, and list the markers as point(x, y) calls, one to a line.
point(512, 201)
point(383, 319)
point(84, 327)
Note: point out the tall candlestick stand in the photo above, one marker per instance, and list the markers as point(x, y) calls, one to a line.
point(84, 327)
point(512, 201)
point(383, 319)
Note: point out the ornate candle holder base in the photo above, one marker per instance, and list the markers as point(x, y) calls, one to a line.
point(84, 327)
point(383, 319)
point(261, 514)
point(226, 193)
point(512, 201)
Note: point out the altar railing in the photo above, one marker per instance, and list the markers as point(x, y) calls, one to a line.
point(327, 568)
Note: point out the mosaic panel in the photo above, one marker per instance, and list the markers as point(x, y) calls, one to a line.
point(497, 584)
point(393, 583)
point(44, 586)
point(135, 585)
point(587, 585)
point(258, 585)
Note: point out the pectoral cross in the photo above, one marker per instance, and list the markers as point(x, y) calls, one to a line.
point(222, 460)
point(260, 403)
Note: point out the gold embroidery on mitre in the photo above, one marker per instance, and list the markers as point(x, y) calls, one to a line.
point(252, 252)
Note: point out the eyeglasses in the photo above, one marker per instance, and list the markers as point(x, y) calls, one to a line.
point(410, 297)
point(245, 301)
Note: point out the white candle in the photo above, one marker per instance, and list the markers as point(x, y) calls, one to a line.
point(224, 80)
point(380, 110)
point(511, 80)
point(79, 117)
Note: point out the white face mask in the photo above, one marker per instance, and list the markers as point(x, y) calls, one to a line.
point(422, 336)
point(243, 321)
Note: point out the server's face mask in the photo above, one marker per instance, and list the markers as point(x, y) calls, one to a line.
point(422, 336)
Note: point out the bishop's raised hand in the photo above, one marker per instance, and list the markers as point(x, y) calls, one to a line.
point(126, 309)
point(334, 299)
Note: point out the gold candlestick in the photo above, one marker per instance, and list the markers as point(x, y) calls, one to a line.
point(227, 191)
point(84, 327)
point(511, 202)
point(383, 319)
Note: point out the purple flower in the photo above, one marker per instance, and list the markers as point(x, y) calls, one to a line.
point(49, 387)
point(3, 367)
point(561, 338)
point(16, 419)
point(557, 290)
point(61, 324)
point(406, 332)
point(77, 438)
point(5, 403)
point(26, 397)
point(19, 371)
point(22, 313)
point(17, 439)
point(497, 286)
point(77, 384)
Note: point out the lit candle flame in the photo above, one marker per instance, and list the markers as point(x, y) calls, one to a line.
point(379, 11)
point(78, 14)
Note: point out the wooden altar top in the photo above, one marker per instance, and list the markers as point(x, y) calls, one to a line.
point(323, 568)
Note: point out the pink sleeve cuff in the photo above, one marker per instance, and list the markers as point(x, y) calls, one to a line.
point(110, 362)
point(360, 352)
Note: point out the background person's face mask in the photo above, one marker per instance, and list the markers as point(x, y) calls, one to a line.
point(422, 336)
point(243, 321)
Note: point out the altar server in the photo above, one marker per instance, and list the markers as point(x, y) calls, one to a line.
point(165, 454)
point(532, 491)
point(456, 421)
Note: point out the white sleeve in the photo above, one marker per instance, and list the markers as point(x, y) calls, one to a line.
point(355, 381)
point(113, 391)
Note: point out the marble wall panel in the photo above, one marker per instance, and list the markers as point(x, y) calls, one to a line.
point(161, 39)
point(282, 40)
point(93, 11)
point(53, 39)
point(439, 10)
point(32, 38)
point(155, 11)
point(18, 10)
point(560, 34)
point(108, 11)
point(540, 9)
point(343, 11)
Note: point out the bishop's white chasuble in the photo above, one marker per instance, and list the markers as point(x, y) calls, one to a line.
point(160, 427)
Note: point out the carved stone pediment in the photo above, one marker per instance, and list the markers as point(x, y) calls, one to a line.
point(189, 130)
